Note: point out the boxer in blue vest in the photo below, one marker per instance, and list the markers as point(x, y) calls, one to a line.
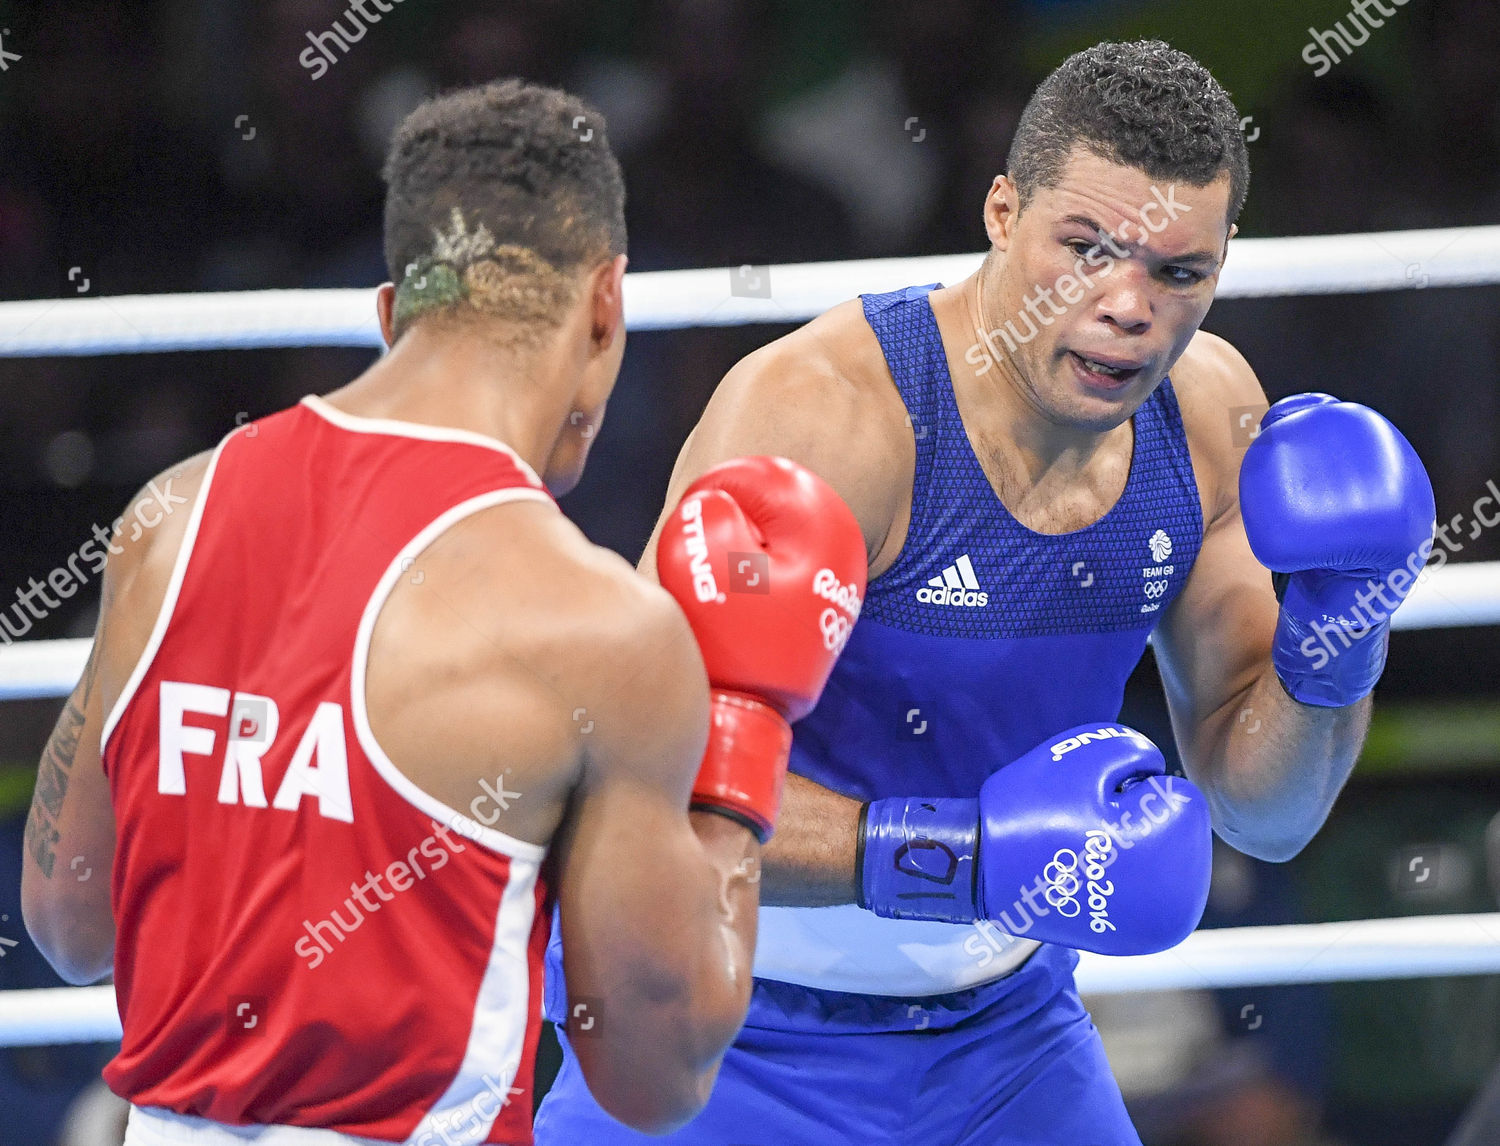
point(1038, 498)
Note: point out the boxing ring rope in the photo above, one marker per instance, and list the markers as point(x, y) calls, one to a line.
point(1451, 596)
point(1412, 947)
point(725, 296)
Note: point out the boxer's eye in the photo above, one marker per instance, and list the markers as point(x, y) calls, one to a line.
point(1182, 276)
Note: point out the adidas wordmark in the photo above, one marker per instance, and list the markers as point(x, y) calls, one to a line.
point(957, 586)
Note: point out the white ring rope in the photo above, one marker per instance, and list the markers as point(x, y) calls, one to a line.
point(1452, 596)
point(724, 296)
point(1365, 949)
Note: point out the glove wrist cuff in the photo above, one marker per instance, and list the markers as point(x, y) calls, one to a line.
point(744, 763)
point(1332, 635)
point(1328, 664)
point(916, 858)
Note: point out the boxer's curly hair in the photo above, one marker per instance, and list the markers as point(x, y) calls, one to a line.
point(496, 197)
point(1143, 104)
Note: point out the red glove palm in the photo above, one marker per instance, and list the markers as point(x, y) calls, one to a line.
point(769, 565)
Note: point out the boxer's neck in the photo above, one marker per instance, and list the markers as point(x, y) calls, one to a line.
point(465, 380)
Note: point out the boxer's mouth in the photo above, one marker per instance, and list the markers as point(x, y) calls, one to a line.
point(1104, 370)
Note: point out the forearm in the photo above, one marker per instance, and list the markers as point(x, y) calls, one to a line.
point(734, 878)
point(70, 843)
point(650, 1016)
point(1272, 767)
point(810, 861)
point(71, 925)
point(1337, 505)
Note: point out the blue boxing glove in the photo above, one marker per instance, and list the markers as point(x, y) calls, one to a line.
point(1084, 841)
point(1337, 505)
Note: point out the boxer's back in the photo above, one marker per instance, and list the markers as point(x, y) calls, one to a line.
point(306, 935)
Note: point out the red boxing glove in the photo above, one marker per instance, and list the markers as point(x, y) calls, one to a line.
point(769, 565)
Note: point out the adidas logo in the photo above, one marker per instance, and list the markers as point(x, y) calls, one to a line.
point(957, 586)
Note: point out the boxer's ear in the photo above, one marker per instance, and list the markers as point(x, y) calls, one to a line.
point(385, 308)
point(607, 291)
point(1234, 229)
point(1001, 206)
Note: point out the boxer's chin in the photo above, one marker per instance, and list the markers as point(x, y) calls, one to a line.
point(1075, 400)
point(560, 485)
point(571, 453)
point(561, 477)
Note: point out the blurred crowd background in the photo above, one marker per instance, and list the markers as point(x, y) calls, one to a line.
point(180, 145)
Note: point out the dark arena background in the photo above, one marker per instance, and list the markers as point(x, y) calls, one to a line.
point(175, 146)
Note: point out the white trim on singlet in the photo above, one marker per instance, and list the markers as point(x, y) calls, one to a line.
point(358, 424)
point(168, 603)
point(429, 805)
point(482, 1087)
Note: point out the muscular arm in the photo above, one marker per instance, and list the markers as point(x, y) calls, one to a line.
point(810, 860)
point(70, 831)
point(521, 642)
point(822, 398)
point(658, 905)
point(1270, 766)
point(70, 843)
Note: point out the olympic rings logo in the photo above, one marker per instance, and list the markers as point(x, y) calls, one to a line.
point(1062, 884)
point(835, 629)
point(1155, 589)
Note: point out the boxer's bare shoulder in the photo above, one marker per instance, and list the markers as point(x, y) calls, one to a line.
point(822, 396)
point(141, 554)
point(1221, 402)
point(515, 650)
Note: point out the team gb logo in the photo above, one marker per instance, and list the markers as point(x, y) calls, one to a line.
point(1161, 546)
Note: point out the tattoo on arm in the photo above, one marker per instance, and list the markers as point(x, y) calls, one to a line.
point(53, 775)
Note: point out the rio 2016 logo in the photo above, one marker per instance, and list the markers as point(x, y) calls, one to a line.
point(834, 627)
point(1063, 883)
